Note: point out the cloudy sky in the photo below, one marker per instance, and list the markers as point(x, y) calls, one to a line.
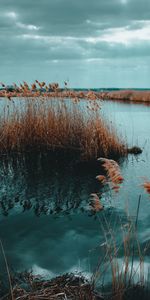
point(90, 43)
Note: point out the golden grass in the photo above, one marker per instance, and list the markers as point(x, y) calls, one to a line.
point(44, 123)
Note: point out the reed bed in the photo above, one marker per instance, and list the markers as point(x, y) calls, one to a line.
point(41, 123)
point(127, 95)
point(52, 89)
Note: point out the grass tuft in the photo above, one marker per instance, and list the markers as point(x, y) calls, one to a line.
point(47, 124)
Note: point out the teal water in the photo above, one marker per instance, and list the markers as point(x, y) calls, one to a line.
point(45, 221)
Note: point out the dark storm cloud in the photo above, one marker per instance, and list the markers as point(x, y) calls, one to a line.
point(69, 16)
point(39, 32)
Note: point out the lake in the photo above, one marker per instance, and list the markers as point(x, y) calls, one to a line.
point(45, 221)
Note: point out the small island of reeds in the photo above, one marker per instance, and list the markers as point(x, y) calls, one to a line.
point(58, 122)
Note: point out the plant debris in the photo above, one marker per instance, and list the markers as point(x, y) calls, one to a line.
point(65, 287)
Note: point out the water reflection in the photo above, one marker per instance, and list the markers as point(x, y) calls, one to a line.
point(66, 236)
point(36, 182)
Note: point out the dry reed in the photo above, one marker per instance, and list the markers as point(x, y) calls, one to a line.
point(68, 286)
point(146, 186)
point(113, 173)
point(55, 124)
point(95, 204)
point(51, 89)
point(125, 276)
point(40, 88)
point(126, 95)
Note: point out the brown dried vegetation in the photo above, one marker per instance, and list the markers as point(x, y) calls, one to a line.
point(51, 123)
point(67, 286)
point(96, 205)
point(146, 186)
point(113, 173)
point(48, 90)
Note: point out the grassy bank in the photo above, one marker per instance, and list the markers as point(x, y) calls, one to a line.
point(127, 95)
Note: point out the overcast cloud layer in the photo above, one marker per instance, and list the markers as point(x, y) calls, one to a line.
point(91, 43)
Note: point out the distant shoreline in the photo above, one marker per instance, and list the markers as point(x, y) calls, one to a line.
point(127, 95)
point(121, 95)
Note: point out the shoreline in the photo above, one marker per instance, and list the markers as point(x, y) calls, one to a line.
point(136, 96)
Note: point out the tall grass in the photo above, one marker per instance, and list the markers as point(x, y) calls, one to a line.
point(123, 257)
point(127, 276)
point(45, 124)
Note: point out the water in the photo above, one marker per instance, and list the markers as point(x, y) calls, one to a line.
point(45, 221)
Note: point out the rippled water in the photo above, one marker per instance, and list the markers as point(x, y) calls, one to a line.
point(45, 221)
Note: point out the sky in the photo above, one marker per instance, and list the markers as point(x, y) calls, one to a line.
point(89, 43)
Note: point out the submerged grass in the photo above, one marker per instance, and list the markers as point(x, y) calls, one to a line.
point(46, 124)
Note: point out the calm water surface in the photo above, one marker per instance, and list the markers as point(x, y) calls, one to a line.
point(45, 222)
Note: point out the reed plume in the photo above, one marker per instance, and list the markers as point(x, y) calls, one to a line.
point(146, 186)
point(96, 204)
point(113, 173)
